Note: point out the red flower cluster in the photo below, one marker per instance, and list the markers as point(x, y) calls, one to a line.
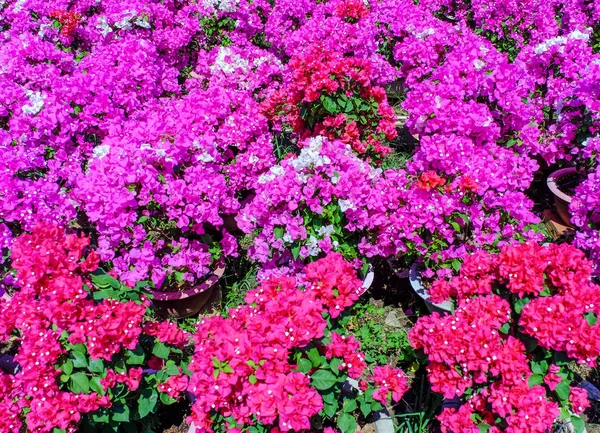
point(430, 180)
point(346, 348)
point(544, 291)
point(352, 108)
point(49, 314)
point(68, 20)
point(49, 269)
point(351, 10)
point(467, 351)
point(388, 379)
point(167, 332)
point(334, 282)
point(242, 364)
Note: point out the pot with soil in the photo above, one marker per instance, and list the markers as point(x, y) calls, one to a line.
point(562, 184)
point(416, 282)
point(188, 302)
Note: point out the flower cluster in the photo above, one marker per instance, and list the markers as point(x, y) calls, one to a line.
point(498, 351)
point(334, 96)
point(243, 364)
point(78, 351)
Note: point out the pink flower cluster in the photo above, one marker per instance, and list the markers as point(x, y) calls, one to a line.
point(49, 314)
point(543, 291)
point(468, 353)
point(244, 370)
point(242, 364)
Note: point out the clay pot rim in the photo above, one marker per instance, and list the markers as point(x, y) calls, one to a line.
point(416, 283)
point(207, 284)
point(553, 179)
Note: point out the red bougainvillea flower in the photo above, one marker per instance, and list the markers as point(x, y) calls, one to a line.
point(68, 20)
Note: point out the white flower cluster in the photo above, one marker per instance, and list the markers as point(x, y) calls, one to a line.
point(274, 171)
point(126, 23)
point(36, 104)
point(222, 5)
point(560, 40)
point(101, 151)
point(103, 26)
point(310, 155)
point(227, 61)
point(425, 33)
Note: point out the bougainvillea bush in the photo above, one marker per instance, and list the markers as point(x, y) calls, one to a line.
point(174, 133)
point(282, 359)
point(521, 316)
point(85, 354)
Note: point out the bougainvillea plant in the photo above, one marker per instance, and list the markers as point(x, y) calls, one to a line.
point(282, 360)
point(85, 355)
point(331, 95)
point(522, 315)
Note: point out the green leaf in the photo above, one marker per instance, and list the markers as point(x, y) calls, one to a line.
point(591, 318)
point(334, 365)
point(278, 232)
point(96, 365)
point(346, 423)
point(165, 399)
point(535, 379)
point(96, 386)
point(365, 408)
point(161, 350)
point(226, 368)
point(304, 365)
point(67, 367)
point(349, 106)
point(456, 265)
point(103, 280)
point(455, 225)
point(505, 329)
point(563, 390)
point(483, 428)
point(328, 397)
point(80, 383)
point(349, 405)
point(252, 379)
point(315, 357)
point(295, 251)
point(330, 409)
point(539, 367)
point(100, 416)
point(578, 424)
point(147, 402)
point(135, 357)
point(520, 304)
point(323, 379)
point(329, 104)
point(120, 413)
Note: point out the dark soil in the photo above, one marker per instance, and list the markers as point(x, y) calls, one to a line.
point(569, 183)
point(172, 418)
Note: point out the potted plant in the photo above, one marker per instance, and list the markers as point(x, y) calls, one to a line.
point(86, 352)
point(522, 317)
point(282, 359)
point(159, 222)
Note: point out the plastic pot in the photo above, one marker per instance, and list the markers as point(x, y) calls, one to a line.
point(188, 302)
point(414, 276)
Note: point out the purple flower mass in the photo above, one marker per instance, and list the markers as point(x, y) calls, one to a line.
point(302, 138)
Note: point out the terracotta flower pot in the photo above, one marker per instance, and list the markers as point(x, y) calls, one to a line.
point(561, 199)
point(188, 302)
